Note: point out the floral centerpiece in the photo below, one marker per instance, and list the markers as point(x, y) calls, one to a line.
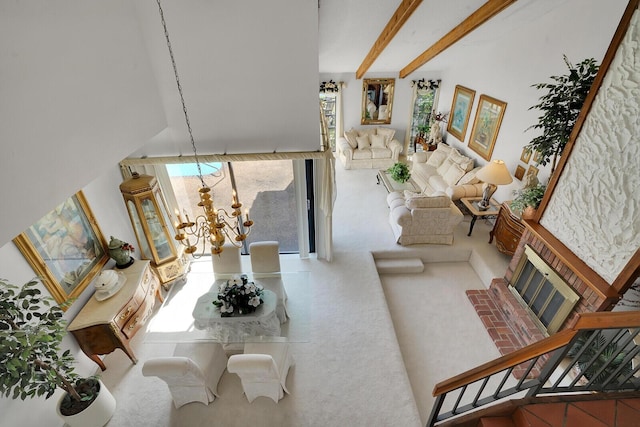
point(238, 296)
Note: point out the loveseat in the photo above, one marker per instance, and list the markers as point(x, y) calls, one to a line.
point(418, 218)
point(445, 170)
point(368, 148)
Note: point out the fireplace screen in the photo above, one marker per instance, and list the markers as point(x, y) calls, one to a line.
point(542, 291)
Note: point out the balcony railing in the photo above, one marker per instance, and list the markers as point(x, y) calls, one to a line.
point(600, 354)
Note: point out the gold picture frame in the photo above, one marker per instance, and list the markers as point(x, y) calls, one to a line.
point(519, 172)
point(537, 157)
point(532, 170)
point(65, 248)
point(460, 112)
point(486, 125)
point(526, 155)
point(377, 101)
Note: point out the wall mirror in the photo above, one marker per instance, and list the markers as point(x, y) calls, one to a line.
point(377, 99)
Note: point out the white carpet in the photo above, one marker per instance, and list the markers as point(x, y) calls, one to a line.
point(351, 370)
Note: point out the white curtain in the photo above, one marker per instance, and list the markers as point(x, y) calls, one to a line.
point(325, 190)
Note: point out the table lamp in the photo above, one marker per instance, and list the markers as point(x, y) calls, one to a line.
point(493, 174)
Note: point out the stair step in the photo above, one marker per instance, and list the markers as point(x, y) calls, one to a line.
point(399, 265)
point(496, 422)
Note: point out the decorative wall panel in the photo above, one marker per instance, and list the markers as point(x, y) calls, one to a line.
point(595, 208)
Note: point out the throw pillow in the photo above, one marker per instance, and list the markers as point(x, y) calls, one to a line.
point(444, 167)
point(470, 177)
point(409, 194)
point(378, 141)
point(465, 162)
point(436, 158)
point(387, 133)
point(351, 136)
point(363, 142)
point(453, 175)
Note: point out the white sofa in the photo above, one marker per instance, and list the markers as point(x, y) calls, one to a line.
point(368, 148)
point(417, 218)
point(445, 170)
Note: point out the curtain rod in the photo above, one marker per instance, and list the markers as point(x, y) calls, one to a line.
point(208, 158)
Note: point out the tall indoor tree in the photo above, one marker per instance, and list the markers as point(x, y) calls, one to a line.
point(560, 107)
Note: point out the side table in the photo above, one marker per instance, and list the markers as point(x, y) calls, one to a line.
point(507, 230)
point(471, 205)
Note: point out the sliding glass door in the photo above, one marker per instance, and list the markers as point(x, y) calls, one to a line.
point(265, 188)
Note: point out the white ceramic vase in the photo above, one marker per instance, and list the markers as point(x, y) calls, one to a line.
point(96, 415)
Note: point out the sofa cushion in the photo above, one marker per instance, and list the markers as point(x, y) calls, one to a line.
point(465, 162)
point(470, 177)
point(437, 183)
point(423, 201)
point(366, 131)
point(444, 167)
point(453, 175)
point(362, 154)
point(444, 148)
point(351, 136)
point(380, 153)
point(387, 133)
point(378, 141)
point(436, 158)
point(363, 142)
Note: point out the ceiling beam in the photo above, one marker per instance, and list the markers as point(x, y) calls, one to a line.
point(401, 15)
point(473, 21)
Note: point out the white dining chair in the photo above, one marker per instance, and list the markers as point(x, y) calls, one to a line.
point(227, 263)
point(263, 367)
point(192, 373)
point(265, 266)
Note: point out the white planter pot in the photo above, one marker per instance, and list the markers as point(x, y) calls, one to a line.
point(96, 415)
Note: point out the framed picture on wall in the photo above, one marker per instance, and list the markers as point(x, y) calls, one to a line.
point(532, 170)
point(526, 155)
point(486, 125)
point(460, 112)
point(519, 172)
point(65, 248)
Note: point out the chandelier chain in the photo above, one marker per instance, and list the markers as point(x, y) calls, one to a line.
point(184, 105)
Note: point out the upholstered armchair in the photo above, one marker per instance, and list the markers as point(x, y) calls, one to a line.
point(417, 218)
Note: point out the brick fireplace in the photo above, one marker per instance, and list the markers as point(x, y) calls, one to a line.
point(510, 325)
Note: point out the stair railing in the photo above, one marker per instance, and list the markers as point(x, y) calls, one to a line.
point(601, 353)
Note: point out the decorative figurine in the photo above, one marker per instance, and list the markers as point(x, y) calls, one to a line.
point(121, 252)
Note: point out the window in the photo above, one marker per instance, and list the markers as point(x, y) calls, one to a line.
point(265, 189)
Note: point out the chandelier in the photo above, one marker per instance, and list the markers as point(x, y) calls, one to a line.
point(213, 225)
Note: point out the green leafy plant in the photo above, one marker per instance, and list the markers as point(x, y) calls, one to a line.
point(31, 362)
point(531, 196)
point(598, 355)
point(560, 107)
point(399, 172)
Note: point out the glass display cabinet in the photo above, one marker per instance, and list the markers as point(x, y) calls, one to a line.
point(152, 225)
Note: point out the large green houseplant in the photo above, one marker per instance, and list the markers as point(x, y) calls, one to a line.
point(32, 363)
point(400, 172)
point(560, 107)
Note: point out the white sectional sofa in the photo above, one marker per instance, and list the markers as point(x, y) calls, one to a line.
point(368, 148)
point(446, 170)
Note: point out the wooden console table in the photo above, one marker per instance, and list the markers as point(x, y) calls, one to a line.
point(102, 326)
point(507, 230)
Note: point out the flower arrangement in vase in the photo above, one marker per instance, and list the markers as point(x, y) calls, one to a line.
point(238, 296)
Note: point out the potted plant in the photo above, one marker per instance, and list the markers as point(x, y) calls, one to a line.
point(528, 199)
point(31, 361)
point(399, 172)
point(560, 107)
point(421, 136)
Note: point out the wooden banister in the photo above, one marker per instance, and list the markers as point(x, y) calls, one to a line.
point(608, 320)
point(505, 362)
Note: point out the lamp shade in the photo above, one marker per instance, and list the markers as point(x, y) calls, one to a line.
point(495, 173)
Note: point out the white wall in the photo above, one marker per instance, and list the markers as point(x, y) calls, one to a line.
point(78, 95)
point(521, 57)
